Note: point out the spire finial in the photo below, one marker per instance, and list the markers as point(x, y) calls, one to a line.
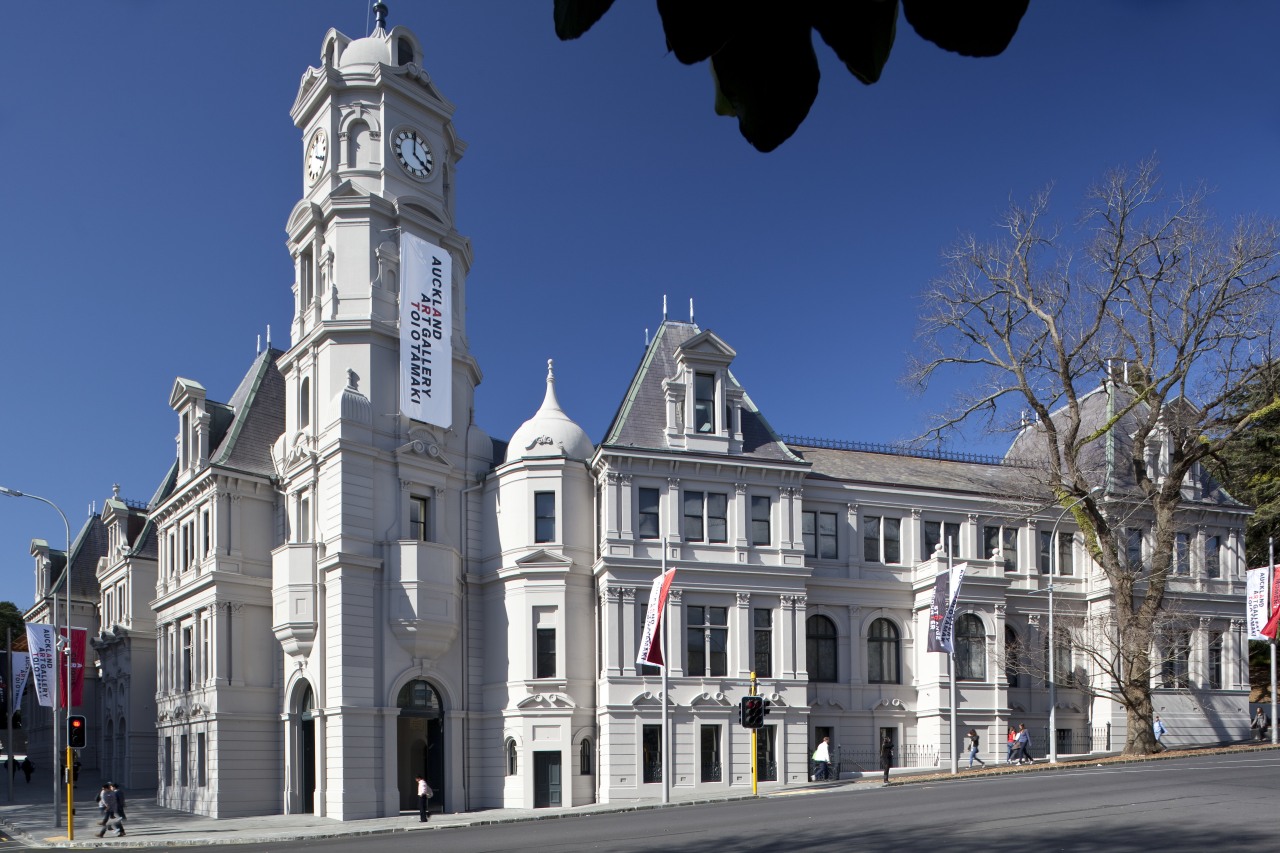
point(664, 307)
point(551, 371)
point(379, 16)
point(115, 491)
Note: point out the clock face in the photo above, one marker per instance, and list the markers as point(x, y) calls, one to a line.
point(413, 153)
point(317, 154)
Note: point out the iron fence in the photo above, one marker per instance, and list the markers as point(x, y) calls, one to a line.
point(854, 760)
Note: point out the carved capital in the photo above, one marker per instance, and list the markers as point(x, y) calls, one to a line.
point(744, 599)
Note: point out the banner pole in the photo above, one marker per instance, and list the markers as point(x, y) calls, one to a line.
point(951, 673)
point(10, 766)
point(1271, 558)
point(666, 665)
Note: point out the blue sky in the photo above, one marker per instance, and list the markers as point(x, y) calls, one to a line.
point(152, 163)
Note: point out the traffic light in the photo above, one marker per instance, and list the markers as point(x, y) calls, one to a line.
point(76, 732)
point(751, 712)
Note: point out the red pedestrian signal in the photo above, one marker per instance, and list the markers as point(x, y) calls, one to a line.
point(77, 732)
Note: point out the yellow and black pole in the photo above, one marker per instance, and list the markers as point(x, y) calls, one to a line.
point(755, 775)
point(71, 801)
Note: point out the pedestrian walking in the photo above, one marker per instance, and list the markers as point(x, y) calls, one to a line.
point(822, 758)
point(101, 802)
point(886, 756)
point(1013, 739)
point(1159, 729)
point(972, 738)
point(424, 795)
point(1261, 726)
point(108, 807)
point(27, 769)
point(1022, 746)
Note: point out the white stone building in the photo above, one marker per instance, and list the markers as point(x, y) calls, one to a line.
point(346, 597)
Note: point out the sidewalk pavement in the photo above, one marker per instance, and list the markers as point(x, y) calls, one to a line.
point(29, 818)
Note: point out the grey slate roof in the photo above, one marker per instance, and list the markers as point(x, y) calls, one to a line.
point(891, 470)
point(243, 430)
point(641, 419)
point(1093, 456)
point(146, 544)
point(89, 545)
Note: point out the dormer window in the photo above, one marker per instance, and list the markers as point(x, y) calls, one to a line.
point(704, 403)
point(404, 51)
point(186, 440)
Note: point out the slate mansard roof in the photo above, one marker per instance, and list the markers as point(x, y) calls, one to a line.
point(640, 421)
point(243, 430)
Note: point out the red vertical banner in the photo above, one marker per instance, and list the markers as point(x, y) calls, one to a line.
point(79, 641)
point(1275, 588)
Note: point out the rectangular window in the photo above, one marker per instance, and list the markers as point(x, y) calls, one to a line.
point(717, 517)
point(647, 507)
point(763, 642)
point(882, 539)
point(1176, 666)
point(819, 529)
point(1182, 554)
point(946, 534)
point(546, 656)
point(419, 518)
point(202, 772)
point(182, 761)
point(651, 755)
point(544, 516)
point(1063, 566)
point(1212, 556)
point(706, 517)
point(1133, 548)
point(186, 659)
point(1004, 539)
point(304, 517)
point(693, 517)
point(186, 440)
point(206, 641)
point(761, 534)
point(704, 403)
point(1215, 660)
point(208, 534)
point(766, 757)
point(708, 641)
point(710, 751)
point(168, 761)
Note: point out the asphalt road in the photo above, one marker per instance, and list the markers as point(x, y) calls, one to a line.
point(1203, 803)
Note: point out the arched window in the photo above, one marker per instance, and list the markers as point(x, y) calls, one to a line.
point(820, 646)
point(585, 766)
point(359, 147)
point(510, 750)
point(971, 649)
point(884, 663)
point(304, 404)
point(418, 697)
point(1012, 656)
point(404, 51)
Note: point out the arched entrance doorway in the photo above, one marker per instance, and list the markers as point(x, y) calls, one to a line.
point(419, 742)
point(304, 763)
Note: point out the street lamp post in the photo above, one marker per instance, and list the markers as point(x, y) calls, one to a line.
point(1054, 568)
point(66, 650)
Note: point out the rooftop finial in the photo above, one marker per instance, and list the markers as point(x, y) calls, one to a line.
point(690, 310)
point(551, 371)
point(379, 16)
point(664, 307)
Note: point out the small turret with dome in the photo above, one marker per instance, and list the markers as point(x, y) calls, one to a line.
point(550, 432)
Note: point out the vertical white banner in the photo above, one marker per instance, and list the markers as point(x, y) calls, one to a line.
point(1256, 602)
point(40, 646)
point(426, 326)
point(651, 651)
point(21, 669)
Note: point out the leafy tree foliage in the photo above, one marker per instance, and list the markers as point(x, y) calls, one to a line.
point(762, 60)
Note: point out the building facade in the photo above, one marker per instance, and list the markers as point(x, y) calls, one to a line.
point(346, 597)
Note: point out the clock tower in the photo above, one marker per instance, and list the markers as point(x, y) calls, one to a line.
point(368, 583)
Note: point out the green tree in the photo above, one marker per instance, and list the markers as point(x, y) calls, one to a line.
point(11, 618)
point(1249, 464)
point(763, 66)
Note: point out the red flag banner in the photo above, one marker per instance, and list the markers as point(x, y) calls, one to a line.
point(650, 644)
point(79, 640)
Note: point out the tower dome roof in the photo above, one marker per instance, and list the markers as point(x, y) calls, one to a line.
point(369, 50)
point(549, 432)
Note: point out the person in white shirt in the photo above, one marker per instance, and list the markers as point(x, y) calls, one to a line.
point(822, 757)
point(424, 794)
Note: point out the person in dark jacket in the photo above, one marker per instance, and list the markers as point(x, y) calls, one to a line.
point(886, 756)
point(107, 804)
